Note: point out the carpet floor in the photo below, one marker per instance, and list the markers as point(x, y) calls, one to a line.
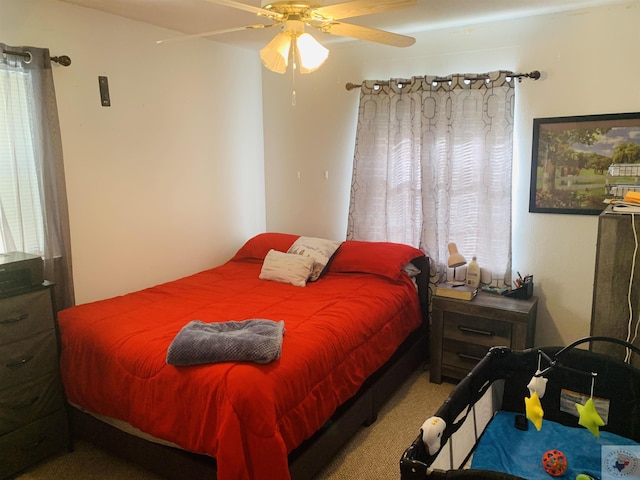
point(373, 453)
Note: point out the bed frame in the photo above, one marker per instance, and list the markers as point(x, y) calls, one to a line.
point(310, 457)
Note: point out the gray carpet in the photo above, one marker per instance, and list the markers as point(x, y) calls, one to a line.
point(373, 453)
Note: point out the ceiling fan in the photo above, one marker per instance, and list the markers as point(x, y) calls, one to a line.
point(293, 16)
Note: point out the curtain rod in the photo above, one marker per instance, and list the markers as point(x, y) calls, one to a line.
point(535, 75)
point(63, 60)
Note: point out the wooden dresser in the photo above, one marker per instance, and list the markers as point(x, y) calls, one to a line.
point(462, 331)
point(616, 260)
point(33, 415)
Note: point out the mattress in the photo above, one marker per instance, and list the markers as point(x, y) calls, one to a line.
point(504, 448)
point(338, 331)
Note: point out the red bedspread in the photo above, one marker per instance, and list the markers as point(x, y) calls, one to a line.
point(339, 330)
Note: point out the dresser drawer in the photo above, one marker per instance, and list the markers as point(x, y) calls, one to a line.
point(28, 359)
point(23, 315)
point(24, 447)
point(478, 331)
point(28, 402)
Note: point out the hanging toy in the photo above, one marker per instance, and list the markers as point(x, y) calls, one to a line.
point(538, 383)
point(537, 386)
point(589, 417)
point(534, 411)
point(554, 463)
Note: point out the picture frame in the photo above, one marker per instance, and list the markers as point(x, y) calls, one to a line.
point(578, 162)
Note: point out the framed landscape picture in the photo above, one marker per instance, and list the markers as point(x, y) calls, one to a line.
point(578, 162)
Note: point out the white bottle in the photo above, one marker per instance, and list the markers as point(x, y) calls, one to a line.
point(473, 273)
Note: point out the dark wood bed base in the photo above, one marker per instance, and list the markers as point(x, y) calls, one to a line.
point(310, 457)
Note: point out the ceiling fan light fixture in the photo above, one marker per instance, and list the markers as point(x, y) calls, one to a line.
point(275, 55)
point(311, 54)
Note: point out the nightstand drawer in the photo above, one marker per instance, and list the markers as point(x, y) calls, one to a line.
point(24, 447)
point(28, 402)
point(28, 359)
point(462, 355)
point(24, 315)
point(478, 331)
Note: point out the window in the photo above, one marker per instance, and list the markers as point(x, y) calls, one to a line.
point(21, 223)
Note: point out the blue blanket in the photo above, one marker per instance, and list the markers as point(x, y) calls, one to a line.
point(255, 340)
point(503, 448)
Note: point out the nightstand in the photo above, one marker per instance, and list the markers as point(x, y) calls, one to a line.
point(33, 415)
point(462, 331)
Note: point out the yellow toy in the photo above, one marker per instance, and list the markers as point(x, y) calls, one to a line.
point(589, 418)
point(534, 411)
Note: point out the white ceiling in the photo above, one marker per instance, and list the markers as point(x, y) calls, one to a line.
point(197, 16)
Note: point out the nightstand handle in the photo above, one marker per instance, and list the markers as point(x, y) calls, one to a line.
point(19, 363)
point(475, 330)
point(469, 357)
point(14, 319)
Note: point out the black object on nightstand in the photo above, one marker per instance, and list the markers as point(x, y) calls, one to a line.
point(462, 331)
point(33, 413)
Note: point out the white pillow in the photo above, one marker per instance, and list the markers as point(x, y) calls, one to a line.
point(286, 268)
point(319, 249)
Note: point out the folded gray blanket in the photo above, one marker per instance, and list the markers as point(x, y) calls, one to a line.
point(255, 340)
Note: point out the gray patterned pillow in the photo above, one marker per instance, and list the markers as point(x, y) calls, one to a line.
point(319, 249)
point(286, 268)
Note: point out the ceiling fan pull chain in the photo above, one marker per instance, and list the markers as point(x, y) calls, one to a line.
point(294, 66)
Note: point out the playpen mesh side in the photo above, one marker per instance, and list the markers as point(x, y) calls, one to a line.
point(501, 379)
point(466, 412)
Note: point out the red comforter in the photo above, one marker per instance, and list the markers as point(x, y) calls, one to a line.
point(339, 330)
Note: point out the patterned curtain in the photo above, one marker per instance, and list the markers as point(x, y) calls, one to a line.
point(33, 199)
point(432, 165)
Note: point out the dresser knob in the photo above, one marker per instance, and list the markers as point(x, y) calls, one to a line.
point(14, 319)
point(19, 363)
point(26, 404)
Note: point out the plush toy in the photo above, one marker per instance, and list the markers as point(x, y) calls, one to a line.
point(432, 430)
point(538, 384)
point(534, 411)
point(554, 463)
point(589, 417)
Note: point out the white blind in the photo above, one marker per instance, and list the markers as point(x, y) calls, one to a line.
point(21, 224)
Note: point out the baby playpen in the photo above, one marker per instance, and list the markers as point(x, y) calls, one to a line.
point(536, 413)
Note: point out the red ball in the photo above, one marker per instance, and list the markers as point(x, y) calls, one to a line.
point(554, 463)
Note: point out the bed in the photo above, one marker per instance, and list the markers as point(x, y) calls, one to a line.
point(484, 431)
point(350, 337)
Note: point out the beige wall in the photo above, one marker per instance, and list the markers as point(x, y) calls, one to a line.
point(167, 181)
point(589, 64)
point(171, 180)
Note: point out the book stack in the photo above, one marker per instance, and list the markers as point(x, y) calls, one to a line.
point(460, 292)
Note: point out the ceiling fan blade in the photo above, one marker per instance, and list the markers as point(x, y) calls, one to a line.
point(355, 8)
point(214, 32)
point(248, 8)
point(367, 33)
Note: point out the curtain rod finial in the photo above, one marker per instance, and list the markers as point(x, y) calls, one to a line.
point(350, 86)
point(63, 60)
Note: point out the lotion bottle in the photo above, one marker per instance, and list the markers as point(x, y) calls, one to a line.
point(473, 273)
